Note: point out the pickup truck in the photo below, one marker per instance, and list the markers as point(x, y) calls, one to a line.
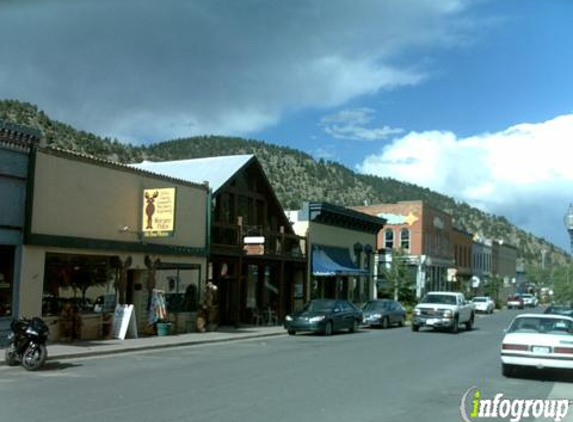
point(446, 310)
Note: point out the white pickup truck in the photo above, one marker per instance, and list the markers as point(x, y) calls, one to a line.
point(443, 310)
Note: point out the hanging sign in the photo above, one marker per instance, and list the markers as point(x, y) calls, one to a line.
point(158, 212)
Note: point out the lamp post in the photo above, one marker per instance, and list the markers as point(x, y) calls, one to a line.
point(568, 221)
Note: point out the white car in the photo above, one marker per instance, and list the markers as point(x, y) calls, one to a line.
point(529, 300)
point(537, 340)
point(483, 304)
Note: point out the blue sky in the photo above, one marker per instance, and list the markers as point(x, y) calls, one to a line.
point(472, 99)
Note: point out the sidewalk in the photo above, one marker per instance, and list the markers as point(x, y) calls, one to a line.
point(79, 349)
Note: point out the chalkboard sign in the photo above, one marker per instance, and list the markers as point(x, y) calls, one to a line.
point(124, 322)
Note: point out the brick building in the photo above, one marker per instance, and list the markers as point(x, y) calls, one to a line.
point(424, 233)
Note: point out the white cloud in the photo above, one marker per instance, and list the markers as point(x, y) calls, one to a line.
point(524, 173)
point(326, 152)
point(351, 124)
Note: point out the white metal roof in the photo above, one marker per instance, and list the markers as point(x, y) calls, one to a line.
point(214, 170)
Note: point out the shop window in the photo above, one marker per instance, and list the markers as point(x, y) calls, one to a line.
point(405, 239)
point(389, 239)
point(6, 280)
point(82, 281)
point(181, 288)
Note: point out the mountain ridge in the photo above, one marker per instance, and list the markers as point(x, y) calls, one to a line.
point(295, 176)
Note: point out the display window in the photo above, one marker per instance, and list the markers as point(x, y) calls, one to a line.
point(84, 282)
point(6, 279)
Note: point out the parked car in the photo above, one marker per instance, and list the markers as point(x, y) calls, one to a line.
point(559, 309)
point(537, 340)
point(529, 300)
point(324, 316)
point(444, 310)
point(484, 304)
point(515, 302)
point(383, 313)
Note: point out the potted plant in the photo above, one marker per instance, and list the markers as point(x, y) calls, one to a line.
point(163, 327)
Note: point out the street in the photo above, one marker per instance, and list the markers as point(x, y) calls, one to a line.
point(374, 375)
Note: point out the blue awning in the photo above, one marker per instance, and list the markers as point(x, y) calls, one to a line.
point(328, 261)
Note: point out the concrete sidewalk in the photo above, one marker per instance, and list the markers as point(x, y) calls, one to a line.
point(80, 349)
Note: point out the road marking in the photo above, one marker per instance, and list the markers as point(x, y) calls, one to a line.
point(562, 391)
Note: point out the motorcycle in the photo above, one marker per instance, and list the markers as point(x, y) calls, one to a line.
point(27, 343)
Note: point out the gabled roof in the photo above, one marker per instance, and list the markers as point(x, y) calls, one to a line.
point(217, 171)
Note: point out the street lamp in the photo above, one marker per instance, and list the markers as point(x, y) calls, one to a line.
point(568, 221)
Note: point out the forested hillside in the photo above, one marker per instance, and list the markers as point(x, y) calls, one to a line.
point(295, 176)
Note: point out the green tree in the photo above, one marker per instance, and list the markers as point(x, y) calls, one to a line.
point(562, 278)
point(398, 277)
point(492, 288)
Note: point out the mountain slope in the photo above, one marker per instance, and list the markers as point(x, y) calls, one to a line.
point(295, 176)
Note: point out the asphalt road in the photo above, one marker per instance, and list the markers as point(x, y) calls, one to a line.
point(373, 375)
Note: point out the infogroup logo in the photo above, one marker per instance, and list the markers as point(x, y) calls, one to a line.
point(474, 407)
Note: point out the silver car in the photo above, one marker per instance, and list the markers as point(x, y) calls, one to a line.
point(383, 313)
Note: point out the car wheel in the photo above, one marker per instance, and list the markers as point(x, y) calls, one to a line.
point(385, 324)
point(354, 327)
point(470, 323)
point(415, 327)
point(401, 322)
point(507, 370)
point(455, 326)
point(328, 328)
point(291, 332)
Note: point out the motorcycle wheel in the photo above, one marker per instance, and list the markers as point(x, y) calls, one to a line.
point(34, 357)
point(11, 356)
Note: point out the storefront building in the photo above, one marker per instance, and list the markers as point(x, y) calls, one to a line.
point(256, 260)
point(98, 233)
point(481, 265)
point(462, 244)
point(341, 250)
point(15, 142)
point(424, 234)
point(504, 269)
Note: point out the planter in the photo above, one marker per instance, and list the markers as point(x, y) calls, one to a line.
point(163, 328)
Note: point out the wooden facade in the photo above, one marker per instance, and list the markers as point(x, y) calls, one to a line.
point(256, 259)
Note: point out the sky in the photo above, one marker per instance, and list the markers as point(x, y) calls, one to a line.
point(470, 98)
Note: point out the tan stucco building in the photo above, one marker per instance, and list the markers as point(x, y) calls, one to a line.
point(341, 249)
point(99, 231)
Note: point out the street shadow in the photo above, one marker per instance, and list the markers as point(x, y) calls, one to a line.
point(58, 366)
point(335, 334)
point(462, 331)
point(544, 375)
point(379, 328)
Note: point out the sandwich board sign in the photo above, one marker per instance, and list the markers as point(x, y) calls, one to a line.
point(124, 322)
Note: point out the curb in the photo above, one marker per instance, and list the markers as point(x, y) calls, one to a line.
point(136, 348)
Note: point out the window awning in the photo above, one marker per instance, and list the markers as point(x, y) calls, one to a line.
point(328, 261)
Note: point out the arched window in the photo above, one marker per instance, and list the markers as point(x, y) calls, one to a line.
point(405, 239)
point(388, 239)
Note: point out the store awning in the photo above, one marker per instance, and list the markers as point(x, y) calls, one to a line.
point(328, 261)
